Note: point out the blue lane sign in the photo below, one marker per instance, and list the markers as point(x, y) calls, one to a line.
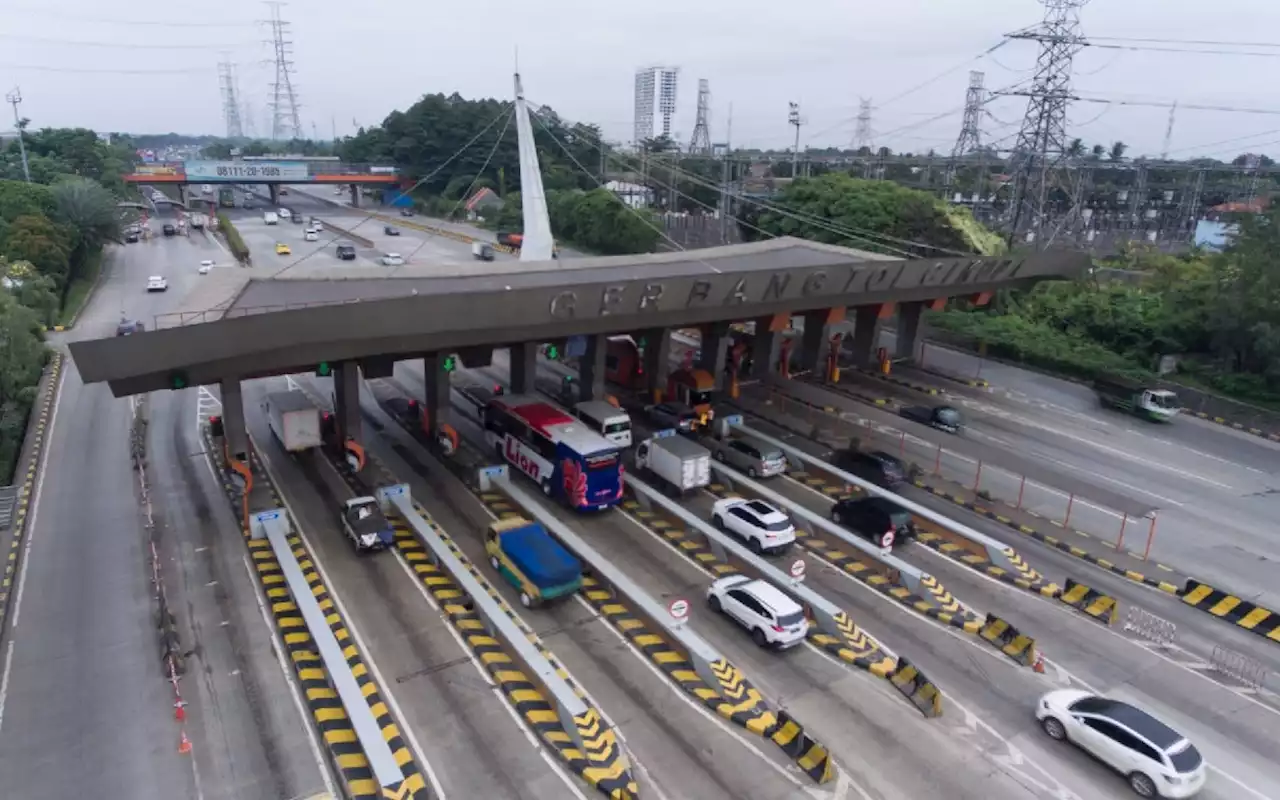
point(733, 419)
point(575, 347)
point(498, 471)
point(393, 491)
point(668, 433)
point(267, 516)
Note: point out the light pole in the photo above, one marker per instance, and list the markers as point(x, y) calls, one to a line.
point(14, 98)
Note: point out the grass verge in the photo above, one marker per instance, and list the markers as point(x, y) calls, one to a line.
point(80, 290)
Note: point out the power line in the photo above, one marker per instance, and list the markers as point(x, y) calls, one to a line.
point(121, 45)
point(1152, 49)
point(106, 70)
point(1181, 41)
point(132, 23)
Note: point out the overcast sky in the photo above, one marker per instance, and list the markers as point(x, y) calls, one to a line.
point(152, 67)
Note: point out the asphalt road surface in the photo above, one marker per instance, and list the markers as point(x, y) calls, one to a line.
point(85, 710)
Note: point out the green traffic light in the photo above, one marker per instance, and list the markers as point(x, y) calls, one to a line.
point(449, 363)
point(323, 369)
point(177, 380)
point(553, 352)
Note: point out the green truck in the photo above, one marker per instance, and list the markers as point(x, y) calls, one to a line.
point(1135, 397)
point(226, 197)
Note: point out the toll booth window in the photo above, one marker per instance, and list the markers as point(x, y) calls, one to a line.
point(699, 398)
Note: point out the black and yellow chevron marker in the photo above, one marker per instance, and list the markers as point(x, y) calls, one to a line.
point(918, 689)
point(1052, 590)
point(849, 643)
point(915, 386)
point(1009, 640)
point(1093, 603)
point(854, 646)
point(325, 704)
point(814, 759)
point(746, 709)
point(39, 431)
point(870, 575)
point(941, 597)
point(1226, 606)
point(608, 769)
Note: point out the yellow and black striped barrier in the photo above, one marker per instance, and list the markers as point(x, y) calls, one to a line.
point(814, 759)
point(1226, 606)
point(1009, 640)
point(918, 689)
point(1093, 603)
point(322, 699)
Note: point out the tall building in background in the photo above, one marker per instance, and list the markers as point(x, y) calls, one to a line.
point(655, 102)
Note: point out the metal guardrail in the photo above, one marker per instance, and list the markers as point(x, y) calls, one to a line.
point(8, 502)
point(999, 554)
point(275, 526)
point(569, 706)
point(1238, 667)
point(1144, 624)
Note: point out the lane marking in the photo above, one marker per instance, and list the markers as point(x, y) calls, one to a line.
point(383, 686)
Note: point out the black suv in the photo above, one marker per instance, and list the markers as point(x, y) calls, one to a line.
point(169, 230)
point(884, 523)
point(878, 467)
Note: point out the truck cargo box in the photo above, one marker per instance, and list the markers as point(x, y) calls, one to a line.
point(294, 420)
point(542, 560)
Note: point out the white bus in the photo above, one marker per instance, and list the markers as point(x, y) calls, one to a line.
point(605, 419)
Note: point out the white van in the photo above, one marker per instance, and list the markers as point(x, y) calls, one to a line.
point(270, 217)
point(605, 419)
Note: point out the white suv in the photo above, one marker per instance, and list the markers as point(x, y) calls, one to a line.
point(392, 260)
point(763, 527)
point(157, 284)
point(774, 619)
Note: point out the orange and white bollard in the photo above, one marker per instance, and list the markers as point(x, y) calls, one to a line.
point(1038, 666)
point(184, 744)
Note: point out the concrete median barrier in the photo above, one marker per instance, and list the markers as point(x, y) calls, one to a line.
point(1226, 606)
point(348, 234)
point(1091, 602)
point(1009, 640)
point(809, 755)
point(918, 689)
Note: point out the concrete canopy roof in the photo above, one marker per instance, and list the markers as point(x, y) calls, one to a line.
point(293, 321)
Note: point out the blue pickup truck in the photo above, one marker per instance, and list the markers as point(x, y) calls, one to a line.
point(528, 558)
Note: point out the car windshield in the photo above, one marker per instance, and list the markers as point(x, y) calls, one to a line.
point(787, 620)
point(1185, 757)
point(900, 519)
point(618, 427)
point(948, 416)
point(771, 455)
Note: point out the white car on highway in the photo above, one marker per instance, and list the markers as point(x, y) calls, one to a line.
point(774, 619)
point(392, 260)
point(157, 284)
point(762, 526)
point(285, 213)
point(205, 267)
point(310, 236)
point(1156, 760)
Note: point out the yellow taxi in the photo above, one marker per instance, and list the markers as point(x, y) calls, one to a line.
point(282, 249)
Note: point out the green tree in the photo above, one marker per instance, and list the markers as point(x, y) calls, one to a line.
point(31, 289)
point(1117, 151)
point(21, 360)
point(38, 240)
point(599, 222)
point(837, 202)
point(89, 208)
point(1075, 149)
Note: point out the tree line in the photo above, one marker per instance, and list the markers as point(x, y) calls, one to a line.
point(1218, 314)
point(52, 234)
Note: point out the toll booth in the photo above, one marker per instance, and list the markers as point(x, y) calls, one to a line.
point(693, 387)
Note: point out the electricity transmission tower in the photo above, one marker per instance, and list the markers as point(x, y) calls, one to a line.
point(862, 133)
point(700, 144)
point(284, 101)
point(1038, 161)
point(20, 127)
point(230, 100)
point(970, 138)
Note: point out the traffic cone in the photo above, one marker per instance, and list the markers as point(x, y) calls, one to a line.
point(184, 745)
point(1039, 665)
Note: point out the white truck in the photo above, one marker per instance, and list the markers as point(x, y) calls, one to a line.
point(270, 217)
point(294, 420)
point(199, 220)
point(683, 464)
